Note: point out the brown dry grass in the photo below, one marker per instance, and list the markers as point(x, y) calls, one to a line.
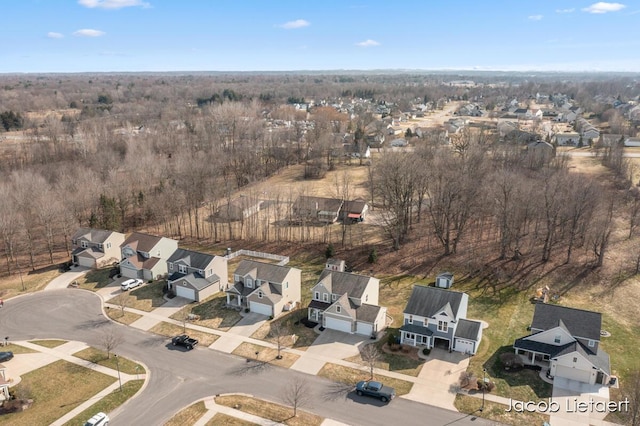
point(269, 410)
point(189, 415)
point(265, 355)
point(51, 343)
point(171, 330)
point(224, 420)
point(116, 314)
point(31, 282)
point(351, 376)
point(496, 412)
point(212, 313)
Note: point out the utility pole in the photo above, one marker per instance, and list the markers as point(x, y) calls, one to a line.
point(118, 368)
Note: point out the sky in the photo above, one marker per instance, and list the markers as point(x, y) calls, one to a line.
point(286, 35)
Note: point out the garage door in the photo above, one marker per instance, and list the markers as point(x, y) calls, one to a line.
point(365, 329)
point(573, 374)
point(337, 324)
point(260, 308)
point(128, 272)
point(87, 262)
point(186, 292)
point(464, 346)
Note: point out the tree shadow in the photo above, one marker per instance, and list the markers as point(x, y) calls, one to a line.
point(337, 391)
point(520, 378)
point(251, 367)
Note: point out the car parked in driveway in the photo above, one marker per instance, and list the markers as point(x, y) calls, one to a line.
point(129, 284)
point(376, 390)
point(5, 356)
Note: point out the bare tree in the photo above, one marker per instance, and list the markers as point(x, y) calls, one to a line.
point(279, 333)
point(122, 300)
point(297, 393)
point(110, 340)
point(631, 392)
point(371, 355)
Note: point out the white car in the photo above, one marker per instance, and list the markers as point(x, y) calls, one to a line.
point(100, 419)
point(129, 284)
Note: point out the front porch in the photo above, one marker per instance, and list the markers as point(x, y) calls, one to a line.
point(236, 301)
point(533, 358)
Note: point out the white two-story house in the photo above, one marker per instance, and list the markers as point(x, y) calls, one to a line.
point(264, 288)
point(437, 317)
point(195, 275)
point(96, 248)
point(347, 302)
point(145, 256)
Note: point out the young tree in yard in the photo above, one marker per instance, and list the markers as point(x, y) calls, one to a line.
point(631, 391)
point(122, 300)
point(110, 340)
point(279, 333)
point(183, 317)
point(601, 231)
point(371, 355)
point(297, 393)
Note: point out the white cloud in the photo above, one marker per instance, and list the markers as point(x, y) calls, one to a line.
point(535, 17)
point(51, 34)
point(565, 10)
point(292, 25)
point(604, 7)
point(368, 43)
point(89, 33)
point(112, 4)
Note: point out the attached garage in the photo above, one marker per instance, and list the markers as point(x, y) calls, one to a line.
point(364, 328)
point(130, 273)
point(464, 346)
point(337, 324)
point(260, 308)
point(87, 262)
point(186, 292)
point(573, 373)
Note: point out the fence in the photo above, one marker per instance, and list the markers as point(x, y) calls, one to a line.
point(282, 260)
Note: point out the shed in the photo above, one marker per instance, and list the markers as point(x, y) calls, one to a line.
point(444, 280)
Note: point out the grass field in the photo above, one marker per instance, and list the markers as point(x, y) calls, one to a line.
point(27, 282)
point(496, 412)
point(188, 416)
point(116, 314)
point(145, 298)
point(351, 376)
point(109, 403)
point(169, 330)
point(220, 419)
point(265, 355)
point(53, 343)
point(270, 410)
point(99, 357)
point(212, 313)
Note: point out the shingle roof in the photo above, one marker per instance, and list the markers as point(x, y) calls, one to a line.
point(468, 329)
point(193, 259)
point(93, 235)
point(317, 204)
point(141, 242)
point(578, 322)
point(429, 301)
point(416, 329)
point(336, 282)
point(264, 271)
point(367, 313)
point(196, 280)
point(270, 292)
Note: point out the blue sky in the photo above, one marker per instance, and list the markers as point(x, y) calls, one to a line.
point(284, 35)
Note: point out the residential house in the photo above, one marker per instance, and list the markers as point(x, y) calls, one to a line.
point(539, 153)
point(195, 275)
point(632, 142)
point(438, 317)
point(567, 139)
point(347, 302)
point(145, 256)
point(354, 211)
point(264, 288)
point(325, 210)
point(239, 209)
point(4, 385)
point(95, 248)
point(567, 340)
point(590, 134)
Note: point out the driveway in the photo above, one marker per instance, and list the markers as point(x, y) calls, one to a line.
point(63, 280)
point(567, 393)
point(330, 344)
point(440, 373)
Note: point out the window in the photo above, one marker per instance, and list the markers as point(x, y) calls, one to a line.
point(249, 282)
point(338, 309)
point(592, 343)
point(209, 272)
point(171, 266)
point(259, 295)
point(410, 336)
point(325, 297)
point(366, 297)
point(200, 271)
point(316, 296)
point(236, 278)
point(575, 359)
point(99, 245)
point(334, 297)
point(108, 245)
point(556, 339)
point(410, 319)
point(286, 284)
point(74, 242)
point(84, 244)
point(443, 326)
point(182, 269)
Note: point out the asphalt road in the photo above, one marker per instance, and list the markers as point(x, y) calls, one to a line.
point(177, 378)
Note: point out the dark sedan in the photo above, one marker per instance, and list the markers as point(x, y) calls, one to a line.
point(5, 356)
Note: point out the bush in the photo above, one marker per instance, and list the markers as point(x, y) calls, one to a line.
point(392, 339)
point(373, 256)
point(426, 351)
point(511, 360)
point(330, 251)
point(485, 386)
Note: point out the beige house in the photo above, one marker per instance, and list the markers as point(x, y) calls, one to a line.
point(194, 275)
point(264, 288)
point(145, 256)
point(96, 248)
point(347, 302)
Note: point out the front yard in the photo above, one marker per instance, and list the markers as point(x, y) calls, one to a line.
point(99, 357)
point(269, 410)
point(210, 313)
point(351, 376)
point(287, 325)
point(400, 362)
point(170, 330)
point(145, 298)
point(265, 355)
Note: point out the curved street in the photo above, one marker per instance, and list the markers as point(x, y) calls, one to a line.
point(177, 378)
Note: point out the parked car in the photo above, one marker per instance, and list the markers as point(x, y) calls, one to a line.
point(376, 390)
point(184, 340)
point(129, 284)
point(100, 419)
point(5, 356)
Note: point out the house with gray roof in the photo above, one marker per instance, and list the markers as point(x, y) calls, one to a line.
point(347, 302)
point(567, 341)
point(95, 248)
point(145, 256)
point(195, 275)
point(320, 209)
point(264, 288)
point(438, 317)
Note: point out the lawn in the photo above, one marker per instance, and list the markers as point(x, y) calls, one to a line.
point(351, 376)
point(396, 362)
point(220, 419)
point(28, 282)
point(116, 314)
point(496, 412)
point(52, 343)
point(188, 416)
point(145, 298)
point(16, 349)
point(212, 313)
point(170, 330)
point(95, 279)
point(269, 410)
point(99, 357)
point(265, 354)
point(45, 386)
point(305, 336)
point(109, 403)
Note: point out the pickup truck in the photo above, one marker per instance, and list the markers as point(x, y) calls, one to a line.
point(375, 389)
point(184, 340)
